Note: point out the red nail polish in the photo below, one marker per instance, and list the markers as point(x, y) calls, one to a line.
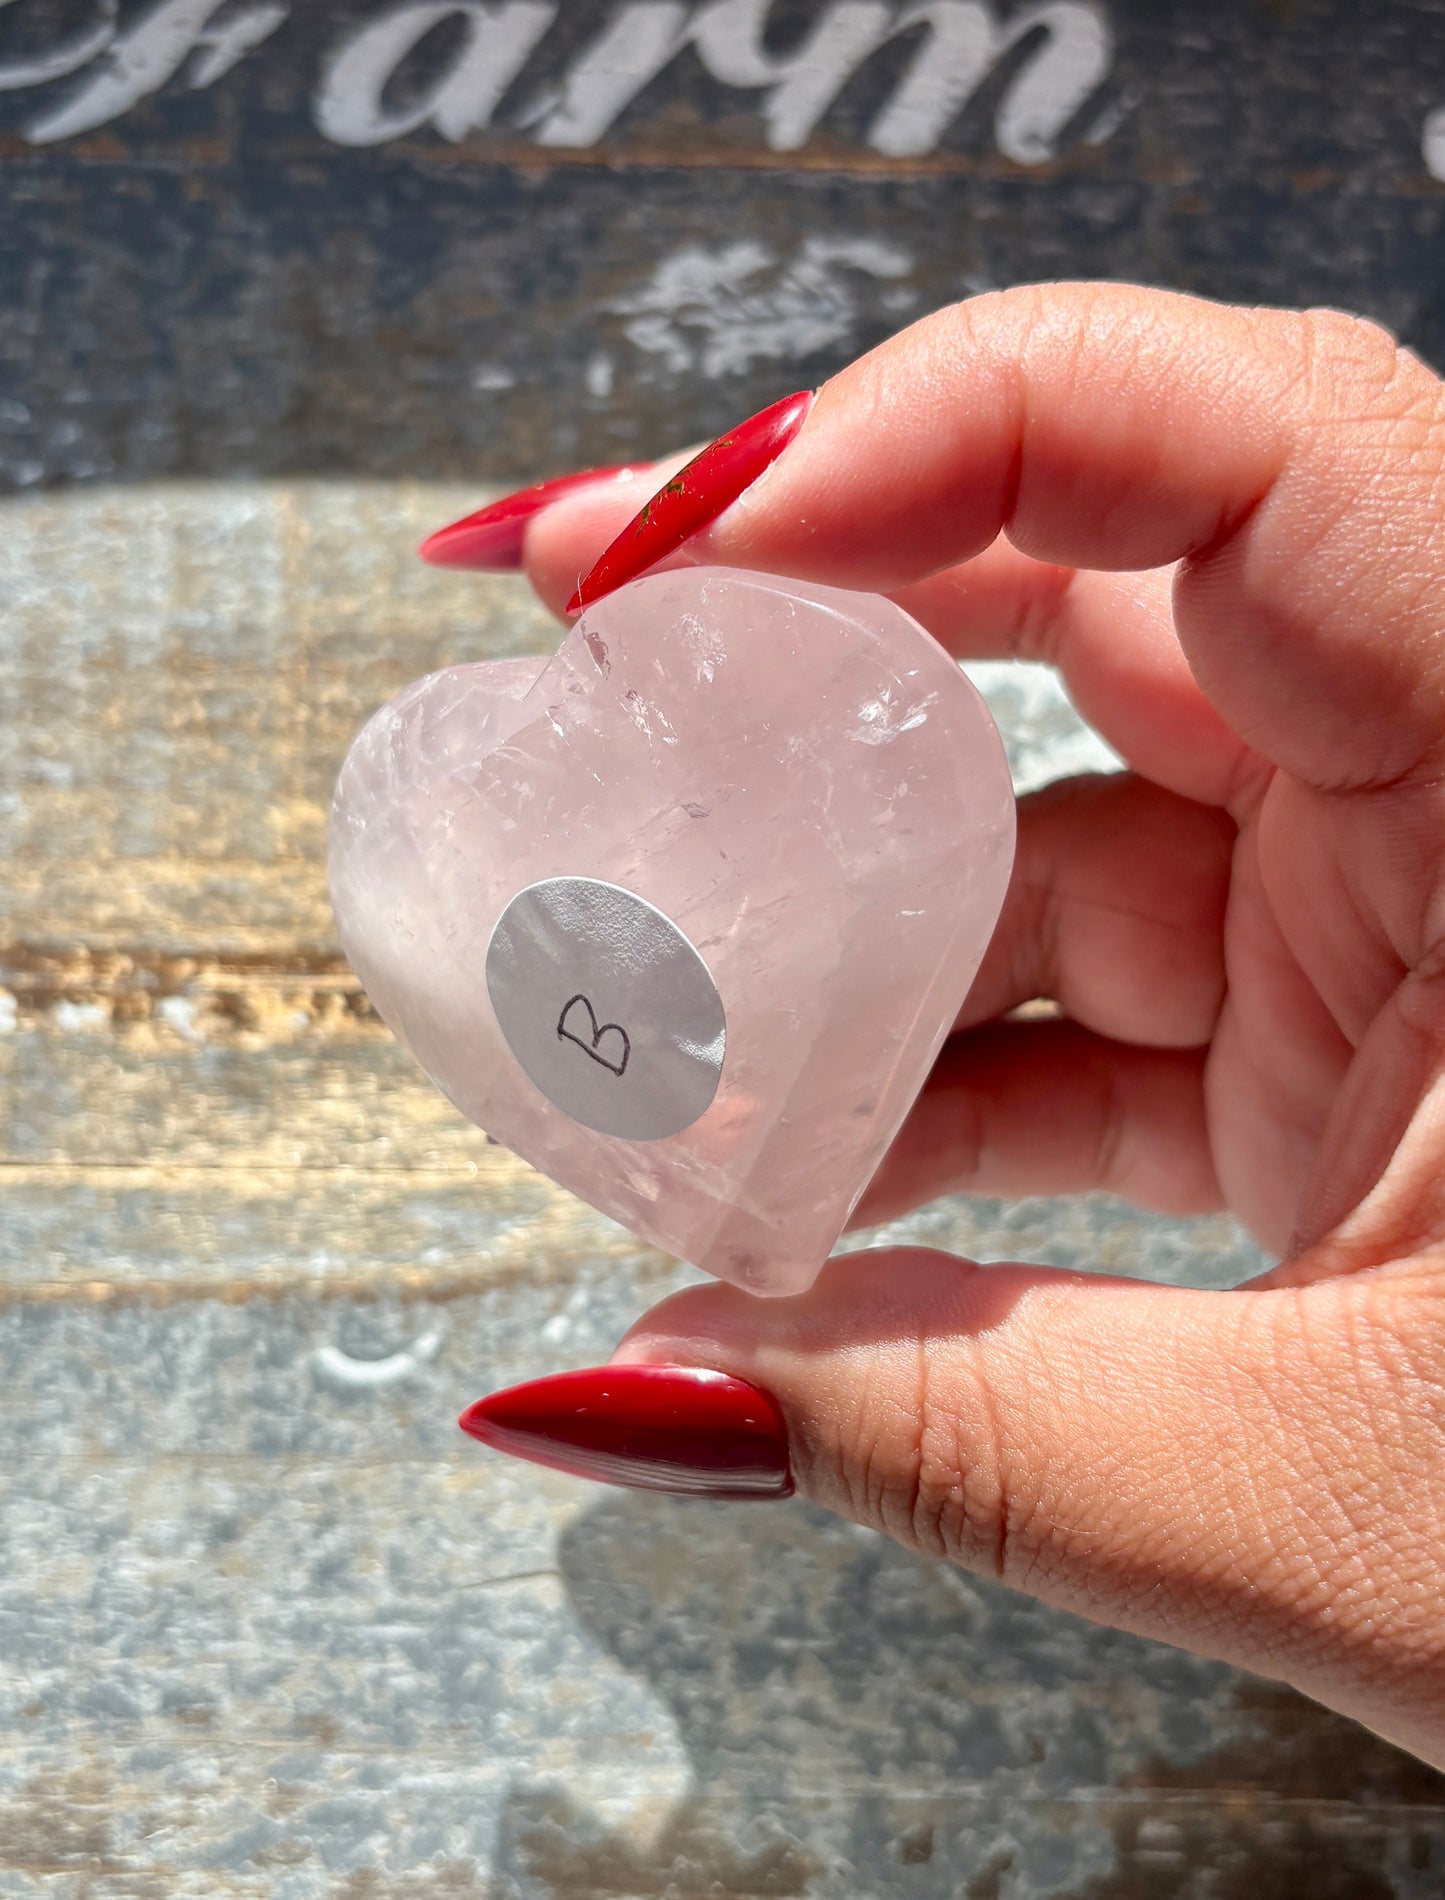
point(492, 538)
point(652, 1428)
point(695, 496)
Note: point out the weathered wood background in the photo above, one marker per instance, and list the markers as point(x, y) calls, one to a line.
point(416, 238)
point(268, 1625)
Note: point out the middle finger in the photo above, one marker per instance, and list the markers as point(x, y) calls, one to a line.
point(1115, 911)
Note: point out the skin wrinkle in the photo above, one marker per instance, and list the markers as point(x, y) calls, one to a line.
point(1418, 1008)
point(1013, 1518)
point(1058, 988)
point(1037, 630)
point(1054, 896)
point(935, 1474)
point(1319, 356)
point(978, 1407)
point(871, 1422)
point(1341, 1537)
point(967, 1135)
point(1067, 832)
point(1026, 1490)
point(902, 1455)
point(1048, 1534)
point(970, 1162)
point(1250, 912)
point(1284, 1563)
point(1232, 521)
point(1112, 1125)
point(1278, 870)
point(1187, 601)
point(1301, 1132)
point(1293, 1561)
point(1429, 968)
point(1423, 771)
point(1390, 1213)
point(1247, 783)
point(1122, 1544)
point(1418, 948)
point(1007, 382)
point(1032, 950)
point(1277, 1576)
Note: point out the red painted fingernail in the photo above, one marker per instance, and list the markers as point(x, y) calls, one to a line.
point(492, 538)
point(695, 496)
point(652, 1428)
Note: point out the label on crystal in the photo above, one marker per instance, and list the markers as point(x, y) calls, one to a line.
point(607, 1006)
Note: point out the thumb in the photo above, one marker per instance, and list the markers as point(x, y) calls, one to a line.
point(1202, 1468)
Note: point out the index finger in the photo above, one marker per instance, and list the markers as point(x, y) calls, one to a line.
point(1291, 462)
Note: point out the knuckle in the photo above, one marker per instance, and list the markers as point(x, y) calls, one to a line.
point(1355, 370)
point(937, 1505)
point(1342, 337)
point(927, 1464)
point(1366, 472)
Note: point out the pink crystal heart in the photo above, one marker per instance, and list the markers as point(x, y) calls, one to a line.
point(683, 913)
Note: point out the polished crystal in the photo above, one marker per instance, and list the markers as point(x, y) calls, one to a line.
point(801, 783)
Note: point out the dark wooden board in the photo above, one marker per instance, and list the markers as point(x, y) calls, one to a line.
point(198, 276)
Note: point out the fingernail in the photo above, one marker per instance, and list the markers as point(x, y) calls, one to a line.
point(695, 496)
point(491, 539)
point(652, 1428)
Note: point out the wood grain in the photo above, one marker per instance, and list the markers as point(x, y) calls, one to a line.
point(209, 283)
point(269, 1627)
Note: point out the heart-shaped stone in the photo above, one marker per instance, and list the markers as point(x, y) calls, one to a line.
point(683, 913)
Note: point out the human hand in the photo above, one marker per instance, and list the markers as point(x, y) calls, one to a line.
point(1227, 530)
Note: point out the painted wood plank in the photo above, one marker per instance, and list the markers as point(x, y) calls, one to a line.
point(283, 239)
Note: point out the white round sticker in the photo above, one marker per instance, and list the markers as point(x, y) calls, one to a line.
point(608, 1008)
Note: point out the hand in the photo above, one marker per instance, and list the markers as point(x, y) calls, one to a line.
point(1227, 529)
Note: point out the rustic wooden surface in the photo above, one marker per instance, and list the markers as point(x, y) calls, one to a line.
point(268, 1624)
point(265, 247)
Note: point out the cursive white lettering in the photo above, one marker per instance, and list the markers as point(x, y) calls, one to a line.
point(728, 36)
point(1432, 142)
point(61, 60)
point(1059, 53)
point(965, 42)
point(140, 62)
point(499, 41)
point(631, 50)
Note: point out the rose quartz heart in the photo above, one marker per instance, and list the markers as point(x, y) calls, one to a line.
point(683, 913)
